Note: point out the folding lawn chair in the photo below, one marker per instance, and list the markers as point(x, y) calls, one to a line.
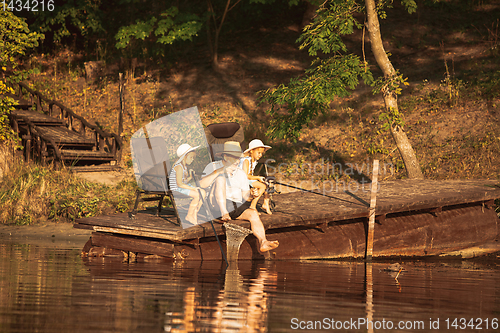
point(153, 167)
point(217, 134)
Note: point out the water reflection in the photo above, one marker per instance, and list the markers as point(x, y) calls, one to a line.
point(369, 293)
point(54, 290)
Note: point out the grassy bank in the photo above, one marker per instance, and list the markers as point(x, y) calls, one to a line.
point(30, 193)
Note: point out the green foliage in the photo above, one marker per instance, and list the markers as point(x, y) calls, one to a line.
point(305, 98)
point(84, 17)
point(6, 107)
point(390, 85)
point(15, 40)
point(325, 33)
point(392, 118)
point(410, 6)
point(170, 27)
point(140, 30)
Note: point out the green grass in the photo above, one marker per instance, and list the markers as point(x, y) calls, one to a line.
point(30, 193)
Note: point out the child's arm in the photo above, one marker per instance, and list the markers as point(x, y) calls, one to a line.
point(246, 167)
point(259, 178)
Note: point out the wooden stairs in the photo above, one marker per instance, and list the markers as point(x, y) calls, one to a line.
point(52, 133)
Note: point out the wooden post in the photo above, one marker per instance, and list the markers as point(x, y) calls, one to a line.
point(120, 114)
point(120, 122)
point(371, 216)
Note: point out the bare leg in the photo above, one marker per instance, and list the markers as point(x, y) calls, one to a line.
point(220, 197)
point(200, 202)
point(192, 215)
point(258, 230)
point(260, 188)
point(266, 205)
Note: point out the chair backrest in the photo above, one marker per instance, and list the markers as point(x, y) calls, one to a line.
point(219, 133)
point(151, 163)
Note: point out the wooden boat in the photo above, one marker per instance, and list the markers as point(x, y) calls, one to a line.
point(414, 218)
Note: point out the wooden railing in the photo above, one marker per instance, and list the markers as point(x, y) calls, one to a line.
point(40, 141)
point(104, 141)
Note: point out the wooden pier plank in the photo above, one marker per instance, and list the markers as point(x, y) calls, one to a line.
point(37, 118)
point(86, 154)
point(63, 135)
point(304, 208)
point(132, 244)
point(145, 222)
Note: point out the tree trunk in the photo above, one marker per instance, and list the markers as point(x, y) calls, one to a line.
point(390, 98)
point(214, 48)
point(210, 17)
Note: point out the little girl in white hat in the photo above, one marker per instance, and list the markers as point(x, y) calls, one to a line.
point(256, 148)
point(179, 178)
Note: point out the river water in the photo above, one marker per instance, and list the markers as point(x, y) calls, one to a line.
point(53, 289)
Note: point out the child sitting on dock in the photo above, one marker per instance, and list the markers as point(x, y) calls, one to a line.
point(256, 148)
point(179, 178)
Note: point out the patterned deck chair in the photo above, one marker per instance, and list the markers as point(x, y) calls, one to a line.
point(153, 167)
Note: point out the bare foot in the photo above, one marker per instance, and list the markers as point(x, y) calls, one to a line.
point(226, 217)
point(267, 209)
point(268, 246)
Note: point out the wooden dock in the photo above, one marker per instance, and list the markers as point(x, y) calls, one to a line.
point(51, 132)
point(414, 218)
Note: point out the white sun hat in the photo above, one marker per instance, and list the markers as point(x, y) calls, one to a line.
point(183, 150)
point(256, 143)
point(232, 148)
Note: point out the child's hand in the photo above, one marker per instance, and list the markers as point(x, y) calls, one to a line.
point(262, 179)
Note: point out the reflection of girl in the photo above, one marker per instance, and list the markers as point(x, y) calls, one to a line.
point(256, 149)
point(179, 178)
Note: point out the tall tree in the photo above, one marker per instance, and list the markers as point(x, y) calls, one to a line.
point(15, 40)
point(390, 90)
point(294, 105)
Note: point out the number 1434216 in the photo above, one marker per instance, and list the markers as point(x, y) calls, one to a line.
point(473, 324)
point(28, 5)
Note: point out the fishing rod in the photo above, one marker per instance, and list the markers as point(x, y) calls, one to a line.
point(209, 214)
point(270, 180)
